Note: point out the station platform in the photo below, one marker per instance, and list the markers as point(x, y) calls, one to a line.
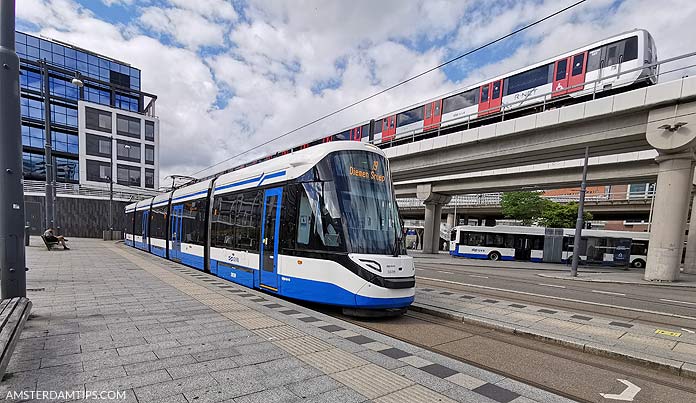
point(109, 318)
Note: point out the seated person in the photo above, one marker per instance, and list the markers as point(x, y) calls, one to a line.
point(51, 237)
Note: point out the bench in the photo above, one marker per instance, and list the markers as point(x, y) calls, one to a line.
point(48, 244)
point(13, 315)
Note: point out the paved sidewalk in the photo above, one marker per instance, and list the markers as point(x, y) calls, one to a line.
point(670, 348)
point(634, 276)
point(109, 318)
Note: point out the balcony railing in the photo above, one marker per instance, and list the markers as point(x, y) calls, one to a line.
point(38, 188)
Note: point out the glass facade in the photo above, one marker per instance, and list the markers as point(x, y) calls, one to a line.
point(120, 89)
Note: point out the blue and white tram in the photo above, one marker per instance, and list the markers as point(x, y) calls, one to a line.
point(128, 231)
point(319, 225)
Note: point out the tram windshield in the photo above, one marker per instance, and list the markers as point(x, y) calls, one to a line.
point(348, 205)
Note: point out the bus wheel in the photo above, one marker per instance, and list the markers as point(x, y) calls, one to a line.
point(638, 264)
point(494, 256)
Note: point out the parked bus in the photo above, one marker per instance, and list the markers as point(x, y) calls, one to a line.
point(539, 244)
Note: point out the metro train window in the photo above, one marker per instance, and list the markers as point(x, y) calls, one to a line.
point(630, 51)
point(411, 116)
point(496, 90)
point(578, 61)
point(377, 129)
point(594, 59)
point(460, 101)
point(484, 93)
point(561, 67)
point(527, 80)
point(611, 58)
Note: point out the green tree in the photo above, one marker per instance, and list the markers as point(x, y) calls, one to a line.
point(557, 215)
point(524, 206)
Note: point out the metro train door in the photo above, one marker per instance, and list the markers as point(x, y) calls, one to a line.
point(560, 78)
point(612, 56)
point(490, 98)
point(388, 128)
point(356, 134)
point(175, 233)
point(145, 222)
point(578, 68)
point(433, 115)
point(268, 273)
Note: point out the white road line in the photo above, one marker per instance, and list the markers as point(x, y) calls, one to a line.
point(533, 294)
point(477, 276)
point(421, 269)
point(609, 293)
point(679, 302)
point(688, 330)
point(551, 285)
point(442, 271)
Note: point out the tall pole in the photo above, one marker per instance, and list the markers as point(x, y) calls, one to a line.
point(111, 209)
point(580, 221)
point(48, 147)
point(12, 258)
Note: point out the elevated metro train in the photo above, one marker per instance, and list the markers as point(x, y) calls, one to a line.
point(318, 225)
point(618, 63)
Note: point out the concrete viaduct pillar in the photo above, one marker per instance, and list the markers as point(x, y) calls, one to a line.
point(450, 220)
point(433, 216)
point(675, 140)
point(690, 259)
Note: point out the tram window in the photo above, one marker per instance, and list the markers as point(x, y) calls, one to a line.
point(236, 221)
point(578, 61)
point(193, 226)
point(412, 116)
point(319, 222)
point(158, 222)
point(460, 101)
point(138, 223)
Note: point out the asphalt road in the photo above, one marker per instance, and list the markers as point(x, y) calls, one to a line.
point(568, 372)
point(651, 304)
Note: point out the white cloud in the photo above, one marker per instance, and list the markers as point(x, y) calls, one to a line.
point(225, 83)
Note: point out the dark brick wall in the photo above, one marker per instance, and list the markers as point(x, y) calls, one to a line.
point(76, 217)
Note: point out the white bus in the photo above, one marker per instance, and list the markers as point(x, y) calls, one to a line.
point(530, 244)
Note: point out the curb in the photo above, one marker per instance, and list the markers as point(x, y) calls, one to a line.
point(643, 283)
point(680, 368)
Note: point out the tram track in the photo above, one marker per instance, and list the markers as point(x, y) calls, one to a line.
point(552, 355)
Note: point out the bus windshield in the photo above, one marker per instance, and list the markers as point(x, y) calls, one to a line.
point(353, 204)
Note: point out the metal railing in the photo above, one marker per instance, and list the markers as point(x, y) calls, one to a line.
point(38, 188)
point(493, 199)
point(543, 100)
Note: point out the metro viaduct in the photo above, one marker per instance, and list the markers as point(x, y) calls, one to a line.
point(660, 117)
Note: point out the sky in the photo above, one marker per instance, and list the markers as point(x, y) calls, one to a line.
point(231, 74)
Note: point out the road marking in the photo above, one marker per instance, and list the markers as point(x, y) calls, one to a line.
point(533, 294)
point(442, 271)
point(609, 293)
point(679, 302)
point(552, 285)
point(477, 276)
point(688, 330)
point(627, 395)
point(667, 333)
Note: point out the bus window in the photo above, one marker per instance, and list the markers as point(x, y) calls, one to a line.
point(476, 239)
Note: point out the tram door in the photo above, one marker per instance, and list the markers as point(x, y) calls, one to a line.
point(175, 234)
point(145, 222)
point(269, 239)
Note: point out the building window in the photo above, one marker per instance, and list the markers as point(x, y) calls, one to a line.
point(67, 169)
point(63, 115)
point(150, 155)
point(149, 130)
point(33, 136)
point(149, 178)
point(33, 165)
point(62, 88)
point(98, 120)
point(30, 80)
point(98, 96)
point(98, 171)
point(32, 109)
point(641, 190)
point(128, 175)
point(127, 126)
point(98, 146)
point(65, 142)
point(127, 151)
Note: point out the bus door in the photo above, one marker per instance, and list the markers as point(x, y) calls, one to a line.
point(268, 273)
point(145, 222)
point(175, 234)
point(560, 78)
point(577, 72)
point(490, 98)
point(433, 115)
point(523, 248)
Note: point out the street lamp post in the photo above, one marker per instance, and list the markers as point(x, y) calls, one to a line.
point(12, 255)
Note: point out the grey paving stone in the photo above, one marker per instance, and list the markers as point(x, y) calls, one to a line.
point(130, 381)
point(423, 378)
point(275, 395)
point(156, 364)
point(360, 339)
point(438, 370)
point(141, 348)
point(331, 328)
point(173, 387)
point(341, 395)
point(496, 393)
point(182, 371)
point(376, 357)
point(216, 354)
point(313, 386)
point(187, 349)
point(309, 319)
point(395, 353)
point(466, 396)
